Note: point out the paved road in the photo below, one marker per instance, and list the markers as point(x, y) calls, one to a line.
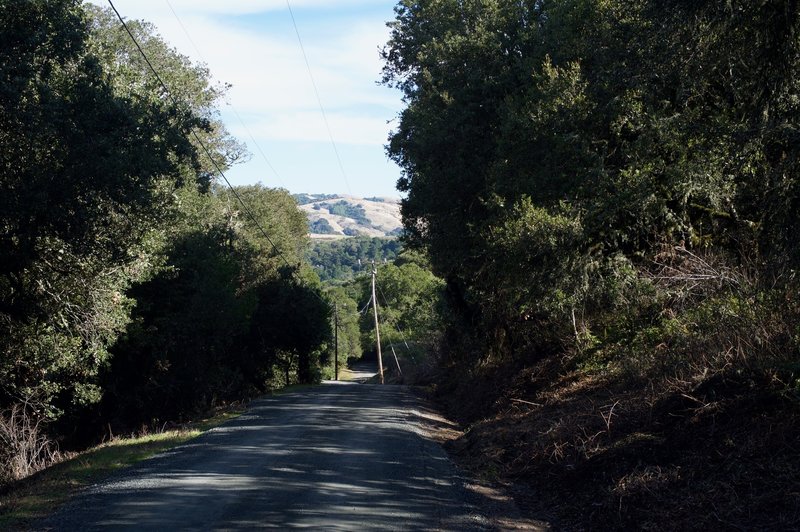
point(341, 456)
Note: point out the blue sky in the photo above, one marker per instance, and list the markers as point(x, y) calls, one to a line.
point(252, 45)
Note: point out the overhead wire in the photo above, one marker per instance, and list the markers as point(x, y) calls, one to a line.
point(386, 304)
point(396, 326)
point(219, 170)
point(391, 344)
point(208, 152)
point(319, 99)
point(363, 310)
point(233, 108)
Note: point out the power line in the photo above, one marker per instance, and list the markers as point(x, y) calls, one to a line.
point(319, 100)
point(363, 310)
point(386, 304)
point(257, 145)
point(396, 325)
point(385, 320)
point(208, 152)
point(235, 112)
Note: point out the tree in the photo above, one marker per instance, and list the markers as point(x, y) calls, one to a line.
point(76, 228)
point(279, 234)
point(549, 146)
point(342, 260)
point(292, 339)
point(409, 303)
point(224, 318)
point(349, 332)
point(132, 287)
point(191, 84)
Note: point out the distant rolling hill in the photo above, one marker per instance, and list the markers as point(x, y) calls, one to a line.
point(340, 216)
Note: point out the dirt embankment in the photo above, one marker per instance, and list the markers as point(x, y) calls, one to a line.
point(597, 452)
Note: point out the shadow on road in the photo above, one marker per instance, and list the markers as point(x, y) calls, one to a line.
point(339, 457)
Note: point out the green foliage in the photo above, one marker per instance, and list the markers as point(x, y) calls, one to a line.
point(192, 85)
point(133, 289)
point(348, 210)
point(321, 227)
point(343, 260)
point(409, 305)
point(552, 152)
point(225, 318)
point(76, 229)
point(286, 229)
point(349, 331)
point(297, 342)
point(176, 355)
point(535, 251)
point(610, 190)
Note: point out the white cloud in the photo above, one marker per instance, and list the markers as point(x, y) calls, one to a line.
point(268, 73)
point(306, 126)
point(271, 89)
point(151, 8)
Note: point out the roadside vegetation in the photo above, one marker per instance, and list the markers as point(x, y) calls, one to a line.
point(38, 495)
point(598, 272)
point(134, 290)
point(410, 300)
point(610, 190)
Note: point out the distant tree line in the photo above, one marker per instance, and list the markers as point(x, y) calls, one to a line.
point(346, 210)
point(133, 289)
point(345, 259)
point(305, 199)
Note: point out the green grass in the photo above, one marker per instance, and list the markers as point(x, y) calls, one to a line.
point(345, 374)
point(39, 495)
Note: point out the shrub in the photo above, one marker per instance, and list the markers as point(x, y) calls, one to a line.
point(24, 447)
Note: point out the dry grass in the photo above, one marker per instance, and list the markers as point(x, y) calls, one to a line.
point(719, 454)
point(38, 495)
point(24, 448)
point(682, 413)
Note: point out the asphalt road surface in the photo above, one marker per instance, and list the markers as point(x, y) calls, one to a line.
point(341, 456)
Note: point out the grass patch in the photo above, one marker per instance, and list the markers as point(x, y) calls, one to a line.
point(40, 494)
point(345, 374)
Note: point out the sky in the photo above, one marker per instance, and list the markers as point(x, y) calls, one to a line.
point(252, 45)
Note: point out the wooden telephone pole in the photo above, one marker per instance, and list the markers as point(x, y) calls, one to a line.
point(377, 326)
point(336, 337)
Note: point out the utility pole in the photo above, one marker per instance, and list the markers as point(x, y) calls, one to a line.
point(336, 336)
point(377, 327)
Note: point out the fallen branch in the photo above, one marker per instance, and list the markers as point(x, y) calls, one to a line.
point(526, 402)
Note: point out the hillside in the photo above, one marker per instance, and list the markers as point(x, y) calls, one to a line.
point(339, 216)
